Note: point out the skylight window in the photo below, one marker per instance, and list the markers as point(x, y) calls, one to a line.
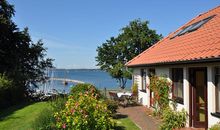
point(192, 27)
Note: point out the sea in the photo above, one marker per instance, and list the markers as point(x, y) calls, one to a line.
point(97, 77)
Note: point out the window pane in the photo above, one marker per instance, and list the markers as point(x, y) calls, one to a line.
point(180, 90)
point(143, 78)
point(177, 78)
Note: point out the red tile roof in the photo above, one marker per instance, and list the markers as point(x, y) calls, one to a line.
point(201, 44)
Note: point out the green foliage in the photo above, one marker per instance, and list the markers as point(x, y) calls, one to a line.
point(161, 88)
point(58, 103)
point(134, 89)
point(44, 121)
point(115, 52)
point(5, 90)
point(173, 119)
point(215, 127)
point(85, 113)
point(111, 105)
point(4, 82)
point(22, 61)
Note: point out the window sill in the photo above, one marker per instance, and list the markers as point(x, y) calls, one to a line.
point(178, 100)
point(143, 91)
point(216, 114)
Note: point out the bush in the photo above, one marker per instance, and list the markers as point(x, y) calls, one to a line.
point(82, 88)
point(111, 105)
point(173, 119)
point(215, 127)
point(58, 103)
point(85, 113)
point(45, 121)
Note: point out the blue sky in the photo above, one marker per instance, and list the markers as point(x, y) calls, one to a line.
point(73, 29)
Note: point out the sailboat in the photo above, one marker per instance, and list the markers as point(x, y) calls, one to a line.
point(65, 82)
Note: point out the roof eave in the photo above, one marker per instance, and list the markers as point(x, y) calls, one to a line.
point(210, 60)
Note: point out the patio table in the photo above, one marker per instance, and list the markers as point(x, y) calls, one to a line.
point(120, 94)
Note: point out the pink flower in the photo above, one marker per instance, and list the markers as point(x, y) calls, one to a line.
point(64, 126)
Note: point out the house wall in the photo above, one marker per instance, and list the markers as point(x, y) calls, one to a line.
point(144, 98)
point(211, 96)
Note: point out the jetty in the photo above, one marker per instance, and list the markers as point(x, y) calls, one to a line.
point(67, 80)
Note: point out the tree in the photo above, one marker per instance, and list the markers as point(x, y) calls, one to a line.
point(21, 60)
point(115, 52)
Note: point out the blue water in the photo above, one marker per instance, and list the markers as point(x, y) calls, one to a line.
point(98, 78)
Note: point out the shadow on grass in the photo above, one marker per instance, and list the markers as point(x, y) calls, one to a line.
point(119, 116)
point(119, 128)
point(8, 111)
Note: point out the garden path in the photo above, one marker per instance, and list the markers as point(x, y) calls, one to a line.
point(138, 114)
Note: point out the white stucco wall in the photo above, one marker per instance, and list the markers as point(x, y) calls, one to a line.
point(137, 77)
point(142, 98)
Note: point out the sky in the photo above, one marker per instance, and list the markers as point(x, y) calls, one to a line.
point(73, 29)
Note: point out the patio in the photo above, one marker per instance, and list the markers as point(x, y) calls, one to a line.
point(138, 114)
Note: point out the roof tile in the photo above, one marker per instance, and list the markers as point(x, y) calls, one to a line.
point(203, 43)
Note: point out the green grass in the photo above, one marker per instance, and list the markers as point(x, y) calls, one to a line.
point(126, 124)
point(20, 117)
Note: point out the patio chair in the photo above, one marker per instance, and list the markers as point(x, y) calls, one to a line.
point(113, 96)
point(121, 100)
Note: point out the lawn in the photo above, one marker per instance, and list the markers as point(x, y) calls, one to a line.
point(126, 124)
point(21, 117)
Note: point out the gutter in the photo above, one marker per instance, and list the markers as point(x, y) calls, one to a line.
point(197, 61)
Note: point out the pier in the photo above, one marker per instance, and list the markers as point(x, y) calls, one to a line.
point(67, 80)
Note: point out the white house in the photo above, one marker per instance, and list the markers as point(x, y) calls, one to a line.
point(190, 58)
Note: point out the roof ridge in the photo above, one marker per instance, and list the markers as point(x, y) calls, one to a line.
point(210, 10)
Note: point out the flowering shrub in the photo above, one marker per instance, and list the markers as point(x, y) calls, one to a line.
point(85, 113)
point(82, 88)
point(161, 87)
